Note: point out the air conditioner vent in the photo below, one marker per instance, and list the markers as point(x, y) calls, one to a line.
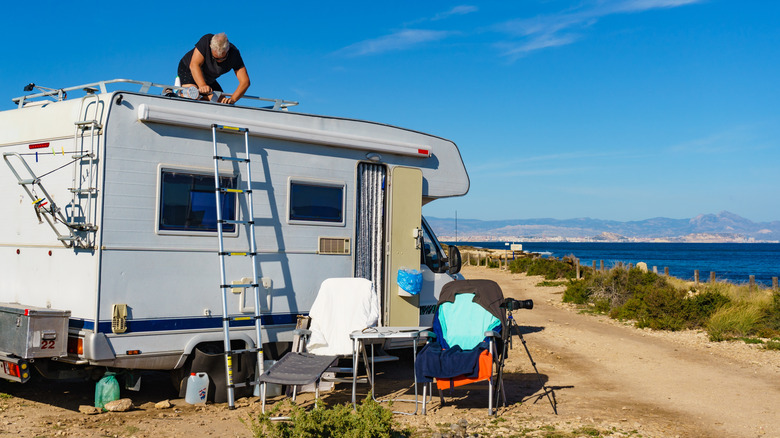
point(334, 245)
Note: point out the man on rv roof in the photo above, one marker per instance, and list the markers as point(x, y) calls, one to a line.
point(212, 57)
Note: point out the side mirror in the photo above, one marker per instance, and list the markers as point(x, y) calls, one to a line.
point(454, 259)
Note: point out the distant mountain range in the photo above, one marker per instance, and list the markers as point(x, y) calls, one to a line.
point(721, 227)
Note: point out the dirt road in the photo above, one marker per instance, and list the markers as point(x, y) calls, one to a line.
point(608, 378)
point(663, 384)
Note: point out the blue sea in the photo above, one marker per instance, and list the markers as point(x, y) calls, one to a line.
point(734, 262)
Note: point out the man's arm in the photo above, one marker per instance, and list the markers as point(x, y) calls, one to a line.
point(197, 71)
point(243, 85)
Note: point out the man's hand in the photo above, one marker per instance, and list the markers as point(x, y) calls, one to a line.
point(204, 89)
point(227, 100)
point(243, 85)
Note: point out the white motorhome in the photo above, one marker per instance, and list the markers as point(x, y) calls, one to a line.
point(109, 240)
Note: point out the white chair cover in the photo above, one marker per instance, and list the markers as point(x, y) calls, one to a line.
point(342, 306)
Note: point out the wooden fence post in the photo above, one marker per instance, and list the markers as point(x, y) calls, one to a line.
point(712, 276)
point(601, 264)
point(666, 271)
point(774, 283)
point(655, 269)
point(577, 266)
point(696, 277)
point(752, 282)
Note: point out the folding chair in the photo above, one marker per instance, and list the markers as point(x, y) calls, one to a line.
point(470, 330)
point(342, 306)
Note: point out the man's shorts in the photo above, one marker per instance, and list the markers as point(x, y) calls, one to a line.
point(185, 77)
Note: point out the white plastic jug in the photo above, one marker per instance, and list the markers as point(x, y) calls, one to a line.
point(197, 388)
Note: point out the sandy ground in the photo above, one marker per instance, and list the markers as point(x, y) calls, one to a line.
point(607, 378)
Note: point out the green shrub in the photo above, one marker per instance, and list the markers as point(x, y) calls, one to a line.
point(700, 307)
point(772, 345)
point(587, 431)
point(550, 283)
point(520, 264)
point(619, 285)
point(664, 321)
point(645, 297)
point(370, 420)
point(771, 319)
point(550, 268)
point(577, 292)
point(724, 310)
point(601, 306)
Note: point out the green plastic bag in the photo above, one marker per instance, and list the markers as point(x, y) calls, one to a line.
point(106, 390)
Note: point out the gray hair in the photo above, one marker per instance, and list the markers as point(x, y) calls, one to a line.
point(220, 44)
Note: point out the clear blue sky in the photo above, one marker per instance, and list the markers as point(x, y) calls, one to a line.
point(610, 109)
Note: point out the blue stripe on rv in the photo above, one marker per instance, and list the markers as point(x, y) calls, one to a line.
point(169, 324)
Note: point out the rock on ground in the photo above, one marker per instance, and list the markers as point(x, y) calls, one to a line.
point(121, 405)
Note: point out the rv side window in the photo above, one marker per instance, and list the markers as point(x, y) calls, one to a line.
point(316, 202)
point(187, 202)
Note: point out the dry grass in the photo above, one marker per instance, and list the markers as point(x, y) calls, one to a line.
point(733, 321)
point(743, 294)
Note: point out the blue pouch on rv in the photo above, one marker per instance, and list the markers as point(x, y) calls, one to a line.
point(410, 280)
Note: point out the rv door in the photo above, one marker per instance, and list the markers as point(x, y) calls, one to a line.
point(405, 212)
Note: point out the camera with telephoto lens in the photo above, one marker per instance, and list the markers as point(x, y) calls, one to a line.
point(513, 304)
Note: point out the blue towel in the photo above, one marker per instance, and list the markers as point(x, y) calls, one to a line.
point(432, 362)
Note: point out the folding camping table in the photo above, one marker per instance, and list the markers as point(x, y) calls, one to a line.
point(373, 335)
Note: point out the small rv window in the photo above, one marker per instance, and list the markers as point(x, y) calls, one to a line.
point(187, 202)
point(316, 202)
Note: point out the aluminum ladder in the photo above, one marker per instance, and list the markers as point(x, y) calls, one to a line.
point(223, 255)
point(53, 213)
point(84, 188)
point(80, 221)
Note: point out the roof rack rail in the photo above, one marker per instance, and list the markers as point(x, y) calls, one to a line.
point(145, 86)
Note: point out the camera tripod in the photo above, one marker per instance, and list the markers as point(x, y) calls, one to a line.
point(513, 328)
